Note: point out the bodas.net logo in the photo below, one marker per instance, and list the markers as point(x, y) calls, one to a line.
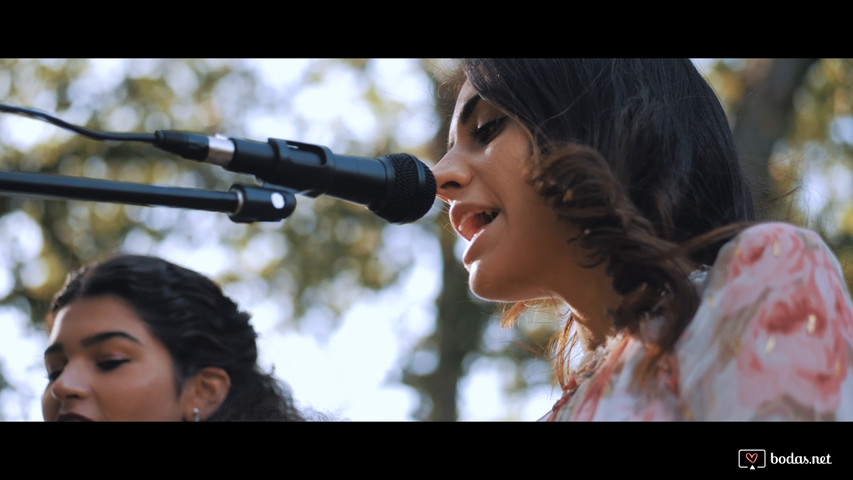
point(751, 458)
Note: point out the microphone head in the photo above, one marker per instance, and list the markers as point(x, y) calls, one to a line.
point(411, 192)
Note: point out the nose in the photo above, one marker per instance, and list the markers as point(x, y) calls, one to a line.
point(452, 174)
point(71, 383)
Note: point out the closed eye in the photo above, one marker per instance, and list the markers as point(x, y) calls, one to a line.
point(107, 365)
point(104, 366)
point(488, 131)
point(51, 376)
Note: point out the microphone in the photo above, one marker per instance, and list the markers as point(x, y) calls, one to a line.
point(398, 187)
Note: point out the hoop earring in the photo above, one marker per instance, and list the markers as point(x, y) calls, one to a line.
point(196, 414)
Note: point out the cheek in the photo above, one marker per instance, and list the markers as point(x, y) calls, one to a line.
point(49, 405)
point(537, 247)
point(522, 265)
point(143, 394)
point(536, 232)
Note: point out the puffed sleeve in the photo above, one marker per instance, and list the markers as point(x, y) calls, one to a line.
point(773, 336)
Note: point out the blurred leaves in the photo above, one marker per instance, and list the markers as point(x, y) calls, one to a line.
point(315, 264)
point(809, 163)
point(324, 254)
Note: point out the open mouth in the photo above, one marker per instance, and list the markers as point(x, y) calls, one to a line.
point(473, 222)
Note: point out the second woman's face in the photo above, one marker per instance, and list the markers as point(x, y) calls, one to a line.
point(103, 364)
point(516, 244)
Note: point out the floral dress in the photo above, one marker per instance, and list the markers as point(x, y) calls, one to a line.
point(772, 339)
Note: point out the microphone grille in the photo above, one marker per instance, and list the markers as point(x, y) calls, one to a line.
point(412, 190)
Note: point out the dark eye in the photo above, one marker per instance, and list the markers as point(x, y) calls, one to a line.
point(51, 376)
point(485, 133)
point(107, 365)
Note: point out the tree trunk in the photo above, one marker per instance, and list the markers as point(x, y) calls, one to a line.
point(764, 116)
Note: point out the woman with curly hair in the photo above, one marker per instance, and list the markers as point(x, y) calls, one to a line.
point(137, 338)
point(613, 186)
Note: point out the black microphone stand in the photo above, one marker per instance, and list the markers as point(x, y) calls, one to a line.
point(243, 203)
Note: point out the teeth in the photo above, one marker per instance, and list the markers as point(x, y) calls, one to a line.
point(463, 220)
point(491, 213)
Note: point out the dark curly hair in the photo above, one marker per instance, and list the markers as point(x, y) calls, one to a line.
point(198, 324)
point(639, 154)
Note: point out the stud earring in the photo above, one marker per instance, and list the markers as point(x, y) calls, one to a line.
point(195, 414)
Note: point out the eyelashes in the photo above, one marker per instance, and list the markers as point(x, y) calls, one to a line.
point(103, 366)
point(488, 131)
point(107, 365)
point(482, 134)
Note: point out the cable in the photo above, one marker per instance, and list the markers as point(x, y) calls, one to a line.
point(97, 135)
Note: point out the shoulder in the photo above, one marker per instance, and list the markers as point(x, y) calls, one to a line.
point(767, 243)
point(769, 256)
point(768, 262)
point(773, 334)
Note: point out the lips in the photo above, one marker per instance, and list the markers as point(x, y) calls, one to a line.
point(469, 220)
point(72, 417)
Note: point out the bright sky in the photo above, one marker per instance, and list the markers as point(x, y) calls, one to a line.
point(347, 375)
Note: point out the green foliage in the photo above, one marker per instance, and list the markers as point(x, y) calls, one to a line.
point(325, 253)
point(812, 165)
point(328, 253)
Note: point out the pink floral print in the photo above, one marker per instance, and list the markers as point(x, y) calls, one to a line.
point(771, 340)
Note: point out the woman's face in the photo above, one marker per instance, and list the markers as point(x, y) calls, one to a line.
point(103, 364)
point(517, 248)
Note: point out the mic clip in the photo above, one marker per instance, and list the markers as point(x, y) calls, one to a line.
point(262, 204)
point(243, 203)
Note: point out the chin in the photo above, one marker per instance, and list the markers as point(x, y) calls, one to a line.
point(495, 288)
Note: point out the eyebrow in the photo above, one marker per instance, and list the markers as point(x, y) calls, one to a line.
point(92, 340)
point(465, 114)
point(468, 109)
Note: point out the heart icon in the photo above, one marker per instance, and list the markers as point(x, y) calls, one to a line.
point(752, 457)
